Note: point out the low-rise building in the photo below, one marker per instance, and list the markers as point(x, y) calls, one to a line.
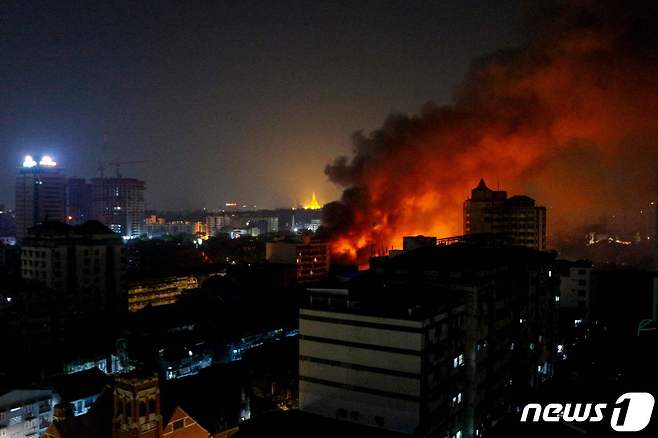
point(80, 390)
point(412, 242)
point(158, 292)
point(26, 412)
point(128, 408)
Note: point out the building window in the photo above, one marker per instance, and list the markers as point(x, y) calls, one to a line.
point(179, 424)
point(152, 406)
point(341, 413)
point(379, 420)
point(354, 415)
point(458, 361)
point(457, 399)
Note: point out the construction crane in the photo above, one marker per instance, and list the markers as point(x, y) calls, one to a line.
point(117, 165)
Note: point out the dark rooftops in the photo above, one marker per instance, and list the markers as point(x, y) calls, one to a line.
point(484, 193)
point(520, 200)
point(61, 229)
point(83, 384)
point(299, 423)
point(96, 423)
point(463, 257)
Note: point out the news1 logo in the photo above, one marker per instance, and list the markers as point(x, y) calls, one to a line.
point(630, 413)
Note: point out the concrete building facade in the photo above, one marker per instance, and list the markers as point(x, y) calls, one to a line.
point(84, 265)
point(311, 257)
point(119, 204)
point(26, 412)
point(433, 342)
point(575, 290)
point(158, 292)
point(517, 217)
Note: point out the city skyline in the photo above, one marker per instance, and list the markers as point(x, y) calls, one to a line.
point(186, 88)
point(372, 218)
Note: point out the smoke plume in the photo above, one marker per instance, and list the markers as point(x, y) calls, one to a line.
point(571, 119)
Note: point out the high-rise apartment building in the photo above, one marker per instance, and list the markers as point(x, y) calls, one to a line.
point(214, 222)
point(517, 217)
point(78, 201)
point(40, 194)
point(119, 204)
point(310, 256)
point(439, 341)
point(83, 265)
point(575, 290)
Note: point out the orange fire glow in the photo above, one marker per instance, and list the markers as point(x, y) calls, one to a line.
point(569, 120)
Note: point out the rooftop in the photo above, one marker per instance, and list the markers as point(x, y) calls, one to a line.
point(61, 229)
point(80, 385)
point(299, 423)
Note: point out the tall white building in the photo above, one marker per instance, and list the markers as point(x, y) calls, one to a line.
point(119, 204)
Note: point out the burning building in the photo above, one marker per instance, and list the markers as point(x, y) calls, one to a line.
point(568, 118)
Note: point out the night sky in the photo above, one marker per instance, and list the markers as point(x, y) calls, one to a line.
point(233, 100)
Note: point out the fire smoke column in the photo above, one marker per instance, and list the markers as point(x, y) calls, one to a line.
point(568, 119)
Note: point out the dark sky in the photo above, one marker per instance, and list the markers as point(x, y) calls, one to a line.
point(234, 100)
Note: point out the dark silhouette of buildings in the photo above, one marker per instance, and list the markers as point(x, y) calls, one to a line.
point(491, 211)
point(83, 265)
point(440, 340)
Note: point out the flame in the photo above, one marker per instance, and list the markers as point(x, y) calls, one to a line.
point(568, 120)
